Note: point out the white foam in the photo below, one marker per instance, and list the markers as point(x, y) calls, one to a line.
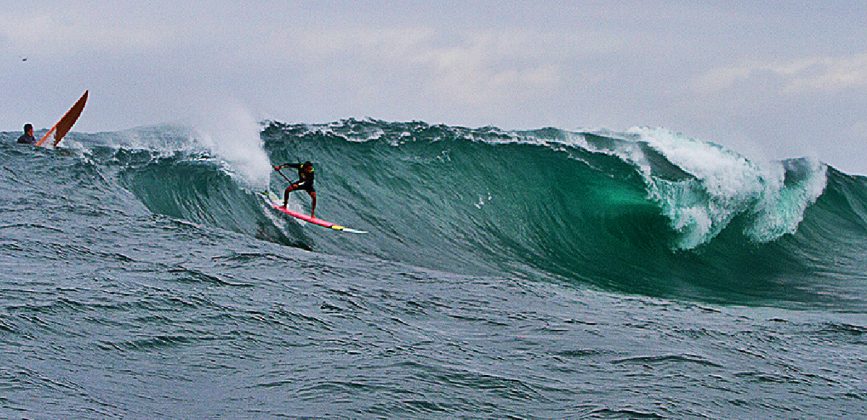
point(781, 210)
point(725, 185)
point(231, 132)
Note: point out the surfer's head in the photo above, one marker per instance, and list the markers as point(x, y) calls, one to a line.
point(307, 166)
point(28, 129)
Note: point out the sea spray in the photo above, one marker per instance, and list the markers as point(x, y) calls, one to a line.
point(781, 209)
point(723, 185)
point(232, 133)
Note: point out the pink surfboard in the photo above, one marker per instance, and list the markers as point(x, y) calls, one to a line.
point(275, 203)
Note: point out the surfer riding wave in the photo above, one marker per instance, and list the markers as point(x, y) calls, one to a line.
point(305, 182)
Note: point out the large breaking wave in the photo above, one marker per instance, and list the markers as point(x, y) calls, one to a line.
point(644, 211)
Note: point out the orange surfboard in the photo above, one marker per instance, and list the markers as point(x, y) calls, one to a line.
point(65, 124)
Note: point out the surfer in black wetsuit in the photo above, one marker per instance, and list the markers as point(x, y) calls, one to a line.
point(27, 137)
point(305, 182)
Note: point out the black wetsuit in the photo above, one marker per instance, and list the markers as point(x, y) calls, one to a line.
point(25, 139)
point(305, 179)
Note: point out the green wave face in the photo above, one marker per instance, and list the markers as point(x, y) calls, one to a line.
point(646, 211)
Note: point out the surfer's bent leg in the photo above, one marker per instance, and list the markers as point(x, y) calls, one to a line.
point(289, 189)
point(312, 206)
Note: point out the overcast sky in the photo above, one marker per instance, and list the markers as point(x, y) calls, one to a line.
point(769, 79)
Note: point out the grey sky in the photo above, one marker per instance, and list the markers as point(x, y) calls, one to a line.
point(773, 79)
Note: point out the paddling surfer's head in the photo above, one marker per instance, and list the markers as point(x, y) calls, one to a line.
point(28, 129)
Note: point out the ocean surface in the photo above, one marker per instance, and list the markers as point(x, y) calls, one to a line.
point(544, 273)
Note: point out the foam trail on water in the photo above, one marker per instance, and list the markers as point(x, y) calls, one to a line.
point(232, 133)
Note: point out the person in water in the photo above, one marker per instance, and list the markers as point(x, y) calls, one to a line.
point(305, 182)
point(27, 137)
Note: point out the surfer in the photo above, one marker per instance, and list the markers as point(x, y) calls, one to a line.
point(27, 137)
point(305, 182)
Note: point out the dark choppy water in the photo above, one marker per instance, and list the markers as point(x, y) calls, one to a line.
point(537, 274)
